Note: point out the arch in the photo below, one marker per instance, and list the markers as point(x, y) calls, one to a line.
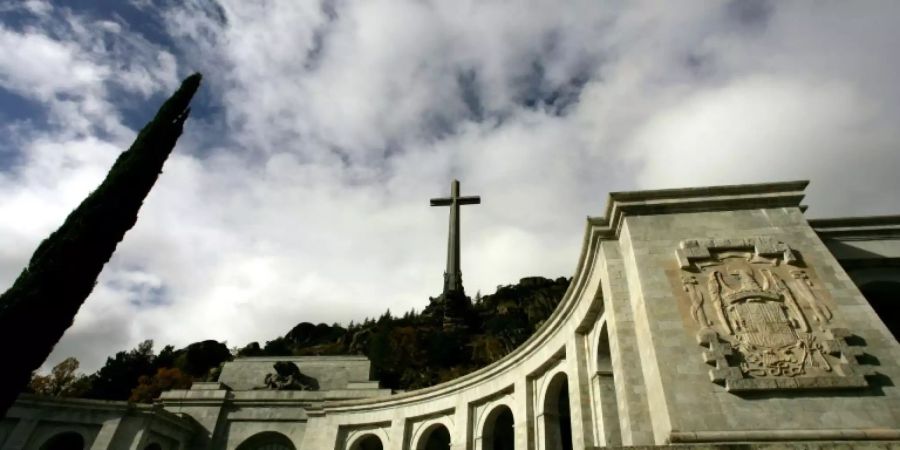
point(267, 440)
point(368, 441)
point(498, 432)
point(604, 357)
point(435, 437)
point(69, 440)
point(556, 415)
point(603, 386)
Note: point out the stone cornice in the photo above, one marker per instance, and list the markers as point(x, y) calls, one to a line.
point(33, 400)
point(26, 401)
point(702, 199)
point(306, 358)
point(861, 228)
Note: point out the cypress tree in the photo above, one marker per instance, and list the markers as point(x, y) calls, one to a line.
point(43, 301)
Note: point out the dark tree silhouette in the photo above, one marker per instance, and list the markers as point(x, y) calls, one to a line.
point(44, 299)
point(120, 374)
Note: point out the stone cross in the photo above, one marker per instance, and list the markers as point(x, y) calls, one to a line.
point(453, 276)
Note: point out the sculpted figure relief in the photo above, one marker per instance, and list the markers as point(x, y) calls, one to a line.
point(287, 376)
point(760, 319)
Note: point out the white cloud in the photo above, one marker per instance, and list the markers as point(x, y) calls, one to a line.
point(36, 65)
point(765, 129)
point(300, 193)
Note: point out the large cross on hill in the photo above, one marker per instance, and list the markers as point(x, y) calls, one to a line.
point(453, 275)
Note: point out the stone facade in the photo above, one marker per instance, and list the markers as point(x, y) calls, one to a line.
point(46, 423)
point(706, 317)
point(241, 405)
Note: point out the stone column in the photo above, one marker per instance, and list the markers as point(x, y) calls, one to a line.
point(634, 417)
point(608, 418)
point(579, 393)
point(205, 403)
point(521, 412)
point(462, 427)
point(139, 440)
point(19, 436)
point(105, 436)
point(396, 434)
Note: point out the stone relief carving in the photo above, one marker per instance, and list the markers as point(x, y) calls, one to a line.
point(761, 322)
point(287, 376)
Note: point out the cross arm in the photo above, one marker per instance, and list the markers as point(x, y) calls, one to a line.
point(475, 200)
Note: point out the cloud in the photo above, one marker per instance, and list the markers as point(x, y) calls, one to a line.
point(36, 65)
point(767, 129)
point(299, 190)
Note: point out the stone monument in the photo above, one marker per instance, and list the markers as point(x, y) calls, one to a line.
point(713, 318)
point(452, 301)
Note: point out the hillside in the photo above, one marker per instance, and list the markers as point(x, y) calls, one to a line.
point(409, 351)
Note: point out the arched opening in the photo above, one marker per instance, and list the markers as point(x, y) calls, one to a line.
point(64, 441)
point(436, 437)
point(499, 430)
point(884, 296)
point(604, 388)
point(557, 418)
point(267, 440)
point(604, 359)
point(368, 442)
point(153, 446)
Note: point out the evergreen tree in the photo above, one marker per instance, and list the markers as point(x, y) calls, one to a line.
point(43, 301)
point(120, 374)
point(197, 359)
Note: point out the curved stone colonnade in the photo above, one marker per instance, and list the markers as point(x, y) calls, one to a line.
point(552, 390)
point(48, 423)
point(658, 340)
point(560, 360)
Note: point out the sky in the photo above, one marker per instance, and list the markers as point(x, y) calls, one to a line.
point(299, 190)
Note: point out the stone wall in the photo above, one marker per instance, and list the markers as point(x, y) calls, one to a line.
point(331, 372)
point(101, 425)
point(242, 408)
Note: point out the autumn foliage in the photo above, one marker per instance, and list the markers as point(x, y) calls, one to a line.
point(63, 381)
point(149, 387)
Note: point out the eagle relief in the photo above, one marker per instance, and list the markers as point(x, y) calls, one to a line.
point(761, 320)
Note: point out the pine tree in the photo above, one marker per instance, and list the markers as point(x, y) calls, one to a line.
point(43, 301)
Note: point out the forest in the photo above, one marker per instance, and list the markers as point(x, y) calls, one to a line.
point(408, 351)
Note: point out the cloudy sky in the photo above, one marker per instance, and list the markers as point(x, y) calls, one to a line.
point(300, 189)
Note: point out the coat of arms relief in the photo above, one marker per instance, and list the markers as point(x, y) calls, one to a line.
point(762, 318)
